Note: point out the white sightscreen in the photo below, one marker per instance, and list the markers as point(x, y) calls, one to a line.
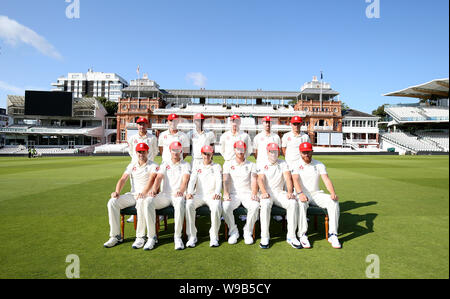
point(323, 138)
point(336, 139)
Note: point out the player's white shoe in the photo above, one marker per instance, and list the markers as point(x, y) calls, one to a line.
point(294, 243)
point(334, 241)
point(178, 244)
point(233, 238)
point(191, 242)
point(213, 243)
point(150, 244)
point(248, 239)
point(131, 219)
point(113, 241)
point(304, 241)
point(138, 243)
point(264, 244)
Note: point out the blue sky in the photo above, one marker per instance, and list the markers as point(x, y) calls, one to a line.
point(233, 44)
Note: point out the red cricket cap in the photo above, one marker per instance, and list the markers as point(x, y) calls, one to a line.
point(305, 147)
point(273, 147)
point(240, 144)
point(142, 120)
point(172, 116)
point(235, 117)
point(207, 149)
point(199, 116)
point(175, 145)
point(267, 118)
point(296, 119)
point(142, 147)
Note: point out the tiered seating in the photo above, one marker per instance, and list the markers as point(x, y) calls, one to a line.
point(435, 113)
point(121, 148)
point(405, 113)
point(441, 138)
point(411, 142)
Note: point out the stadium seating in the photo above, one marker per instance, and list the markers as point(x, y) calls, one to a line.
point(411, 142)
point(441, 139)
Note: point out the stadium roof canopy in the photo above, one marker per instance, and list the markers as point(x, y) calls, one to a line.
point(437, 88)
point(231, 93)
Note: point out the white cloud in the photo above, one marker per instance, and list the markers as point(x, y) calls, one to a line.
point(11, 88)
point(13, 33)
point(198, 79)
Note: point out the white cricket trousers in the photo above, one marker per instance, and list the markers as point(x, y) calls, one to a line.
point(114, 206)
point(323, 200)
point(252, 207)
point(160, 201)
point(215, 206)
point(281, 200)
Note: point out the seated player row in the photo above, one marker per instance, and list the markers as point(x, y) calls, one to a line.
point(257, 188)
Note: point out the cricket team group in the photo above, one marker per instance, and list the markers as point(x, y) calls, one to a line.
point(292, 183)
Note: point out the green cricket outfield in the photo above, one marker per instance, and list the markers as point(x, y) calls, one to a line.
point(394, 207)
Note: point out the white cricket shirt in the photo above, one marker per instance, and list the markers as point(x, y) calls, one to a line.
point(173, 175)
point(260, 143)
point(241, 175)
point(309, 174)
point(140, 175)
point(227, 141)
point(275, 182)
point(198, 140)
point(292, 144)
point(148, 139)
point(206, 179)
point(165, 139)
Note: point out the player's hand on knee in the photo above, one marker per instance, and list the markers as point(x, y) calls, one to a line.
point(255, 197)
point(290, 196)
point(115, 194)
point(189, 196)
point(302, 197)
point(265, 195)
point(216, 197)
point(334, 197)
point(226, 197)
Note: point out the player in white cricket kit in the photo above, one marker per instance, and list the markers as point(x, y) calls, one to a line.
point(262, 139)
point(276, 187)
point(175, 173)
point(172, 134)
point(199, 137)
point(306, 175)
point(142, 137)
point(292, 140)
point(205, 187)
point(142, 172)
point(240, 185)
point(228, 139)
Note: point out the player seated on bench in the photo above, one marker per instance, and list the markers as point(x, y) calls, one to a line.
point(205, 187)
point(276, 187)
point(175, 173)
point(240, 185)
point(141, 172)
point(306, 175)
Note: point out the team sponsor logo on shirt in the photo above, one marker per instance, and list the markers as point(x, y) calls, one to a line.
point(134, 168)
point(266, 167)
point(232, 167)
point(289, 139)
point(168, 167)
point(199, 171)
point(301, 167)
point(157, 168)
